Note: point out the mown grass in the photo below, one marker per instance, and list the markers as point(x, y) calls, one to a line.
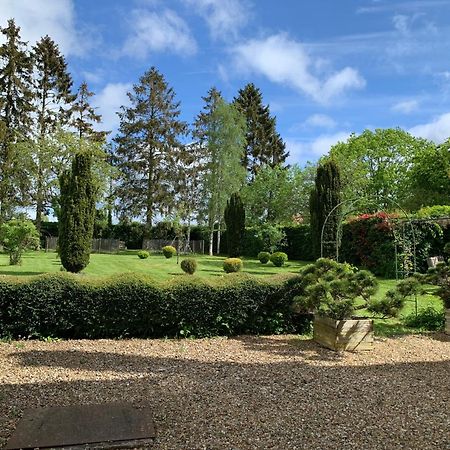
point(161, 269)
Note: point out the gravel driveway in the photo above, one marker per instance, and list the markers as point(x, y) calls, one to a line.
point(275, 392)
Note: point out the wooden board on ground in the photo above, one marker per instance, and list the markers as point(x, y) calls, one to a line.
point(110, 425)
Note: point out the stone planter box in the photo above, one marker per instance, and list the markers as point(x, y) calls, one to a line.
point(447, 321)
point(343, 335)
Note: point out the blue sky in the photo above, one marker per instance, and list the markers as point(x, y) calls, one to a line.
point(326, 67)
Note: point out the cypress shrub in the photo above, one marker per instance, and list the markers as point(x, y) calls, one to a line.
point(234, 216)
point(77, 214)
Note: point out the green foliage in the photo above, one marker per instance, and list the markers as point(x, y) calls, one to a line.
point(427, 319)
point(263, 145)
point(447, 248)
point(234, 216)
point(278, 259)
point(331, 289)
point(271, 237)
point(440, 275)
point(278, 194)
point(388, 306)
point(169, 251)
point(63, 306)
point(324, 199)
point(76, 224)
point(433, 212)
point(378, 165)
point(189, 265)
point(297, 243)
point(17, 236)
point(233, 265)
point(264, 257)
point(143, 254)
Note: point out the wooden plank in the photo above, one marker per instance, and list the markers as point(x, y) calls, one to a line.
point(82, 424)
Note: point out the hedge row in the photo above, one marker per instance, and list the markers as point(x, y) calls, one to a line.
point(66, 306)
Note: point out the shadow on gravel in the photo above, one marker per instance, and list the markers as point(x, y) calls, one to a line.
point(304, 403)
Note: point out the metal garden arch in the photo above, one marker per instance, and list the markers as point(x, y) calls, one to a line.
point(352, 203)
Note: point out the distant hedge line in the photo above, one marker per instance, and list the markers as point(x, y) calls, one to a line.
point(66, 306)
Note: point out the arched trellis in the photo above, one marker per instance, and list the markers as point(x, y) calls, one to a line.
point(352, 203)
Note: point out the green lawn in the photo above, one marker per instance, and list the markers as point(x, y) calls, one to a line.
point(157, 266)
point(160, 268)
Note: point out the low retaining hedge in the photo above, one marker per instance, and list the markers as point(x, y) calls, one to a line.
point(68, 306)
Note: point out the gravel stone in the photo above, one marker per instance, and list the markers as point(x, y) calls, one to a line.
point(272, 392)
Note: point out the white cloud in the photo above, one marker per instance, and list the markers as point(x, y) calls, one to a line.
point(302, 151)
point(319, 121)
point(165, 31)
point(224, 17)
point(437, 130)
point(406, 107)
point(38, 18)
point(108, 101)
point(285, 61)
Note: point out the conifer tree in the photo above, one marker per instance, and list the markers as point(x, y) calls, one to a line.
point(264, 145)
point(324, 198)
point(15, 114)
point(83, 116)
point(234, 216)
point(203, 119)
point(148, 149)
point(77, 213)
point(52, 94)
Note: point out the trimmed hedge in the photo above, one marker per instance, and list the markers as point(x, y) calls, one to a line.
point(66, 306)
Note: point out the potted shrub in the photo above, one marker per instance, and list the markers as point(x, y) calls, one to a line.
point(330, 291)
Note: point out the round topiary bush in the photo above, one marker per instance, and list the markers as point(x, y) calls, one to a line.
point(189, 265)
point(232, 265)
point(278, 258)
point(264, 257)
point(169, 251)
point(143, 254)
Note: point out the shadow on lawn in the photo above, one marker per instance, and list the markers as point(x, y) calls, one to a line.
point(205, 399)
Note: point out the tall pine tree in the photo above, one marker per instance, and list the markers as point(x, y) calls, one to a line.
point(77, 214)
point(16, 116)
point(148, 149)
point(324, 198)
point(264, 145)
point(84, 117)
point(52, 94)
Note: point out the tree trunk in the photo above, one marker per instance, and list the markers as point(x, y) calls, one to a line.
point(218, 240)
point(211, 240)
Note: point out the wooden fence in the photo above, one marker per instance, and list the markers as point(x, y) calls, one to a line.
point(155, 245)
point(98, 245)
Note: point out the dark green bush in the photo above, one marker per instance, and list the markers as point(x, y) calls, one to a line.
point(427, 319)
point(189, 265)
point(331, 289)
point(264, 257)
point(169, 251)
point(66, 306)
point(232, 265)
point(278, 258)
point(143, 254)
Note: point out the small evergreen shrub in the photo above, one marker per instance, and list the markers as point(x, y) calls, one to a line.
point(232, 265)
point(278, 258)
point(264, 257)
point(169, 251)
point(427, 319)
point(143, 254)
point(189, 265)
